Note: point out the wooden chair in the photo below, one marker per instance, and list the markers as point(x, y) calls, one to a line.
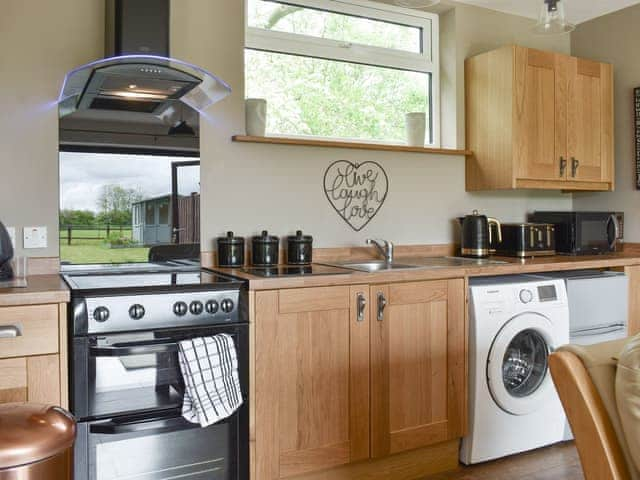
point(585, 381)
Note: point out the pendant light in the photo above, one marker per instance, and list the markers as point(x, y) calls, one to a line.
point(416, 3)
point(552, 19)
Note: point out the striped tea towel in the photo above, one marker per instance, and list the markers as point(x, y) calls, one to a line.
point(209, 367)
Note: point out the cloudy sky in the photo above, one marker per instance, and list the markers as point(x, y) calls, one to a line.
point(82, 176)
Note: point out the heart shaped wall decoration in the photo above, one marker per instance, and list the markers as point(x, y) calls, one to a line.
point(356, 191)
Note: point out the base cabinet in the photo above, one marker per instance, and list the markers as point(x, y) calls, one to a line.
point(30, 379)
point(351, 373)
point(418, 380)
point(33, 359)
point(312, 379)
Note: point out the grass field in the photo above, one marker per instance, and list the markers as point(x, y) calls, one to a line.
point(85, 248)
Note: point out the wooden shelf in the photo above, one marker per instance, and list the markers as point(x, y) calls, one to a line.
point(342, 144)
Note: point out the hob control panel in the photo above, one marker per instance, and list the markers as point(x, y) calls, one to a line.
point(144, 312)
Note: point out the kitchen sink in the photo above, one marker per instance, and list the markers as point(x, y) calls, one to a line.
point(378, 266)
point(424, 263)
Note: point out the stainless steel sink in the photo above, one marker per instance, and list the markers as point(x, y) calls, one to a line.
point(378, 266)
point(420, 263)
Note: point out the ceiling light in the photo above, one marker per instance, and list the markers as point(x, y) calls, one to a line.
point(134, 95)
point(416, 3)
point(552, 19)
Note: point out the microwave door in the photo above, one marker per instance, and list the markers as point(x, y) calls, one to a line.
point(592, 232)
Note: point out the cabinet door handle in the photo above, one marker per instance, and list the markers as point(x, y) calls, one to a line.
point(9, 331)
point(563, 166)
point(574, 167)
point(362, 305)
point(382, 303)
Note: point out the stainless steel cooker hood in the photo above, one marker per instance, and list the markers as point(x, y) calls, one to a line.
point(139, 75)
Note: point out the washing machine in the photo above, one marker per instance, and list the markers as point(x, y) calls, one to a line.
point(514, 323)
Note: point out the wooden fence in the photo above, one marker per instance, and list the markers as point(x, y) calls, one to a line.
point(93, 232)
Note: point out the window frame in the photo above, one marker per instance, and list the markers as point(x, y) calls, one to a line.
point(428, 61)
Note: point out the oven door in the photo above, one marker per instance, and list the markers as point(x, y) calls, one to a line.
point(596, 232)
point(157, 447)
point(127, 373)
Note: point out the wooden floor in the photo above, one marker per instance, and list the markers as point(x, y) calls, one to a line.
point(559, 462)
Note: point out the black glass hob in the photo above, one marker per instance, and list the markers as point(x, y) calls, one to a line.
point(295, 270)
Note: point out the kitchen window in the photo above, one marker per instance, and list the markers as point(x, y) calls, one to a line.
point(342, 69)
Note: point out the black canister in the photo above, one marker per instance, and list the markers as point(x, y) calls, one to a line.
point(230, 251)
point(265, 250)
point(299, 249)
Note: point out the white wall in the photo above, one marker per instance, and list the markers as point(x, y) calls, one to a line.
point(614, 38)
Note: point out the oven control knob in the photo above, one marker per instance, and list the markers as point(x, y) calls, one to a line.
point(212, 307)
point(526, 296)
point(196, 307)
point(101, 314)
point(227, 305)
point(180, 308)
point(136, 311)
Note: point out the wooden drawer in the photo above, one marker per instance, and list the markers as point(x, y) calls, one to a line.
point(37, 327)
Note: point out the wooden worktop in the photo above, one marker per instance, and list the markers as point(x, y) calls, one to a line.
point(628, 256)
point(40, 289)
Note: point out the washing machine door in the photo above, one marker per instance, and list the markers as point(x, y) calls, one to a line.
point(517, 366)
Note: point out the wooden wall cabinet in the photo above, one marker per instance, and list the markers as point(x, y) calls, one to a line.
point(538, 120)
point(33, 359)
point(350, 373)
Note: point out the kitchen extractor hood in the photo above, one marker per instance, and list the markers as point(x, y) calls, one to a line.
point(139, 75)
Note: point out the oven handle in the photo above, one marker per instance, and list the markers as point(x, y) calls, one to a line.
point(129, 349)
point(147, 425)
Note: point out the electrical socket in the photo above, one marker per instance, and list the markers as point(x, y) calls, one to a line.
point(35, 237)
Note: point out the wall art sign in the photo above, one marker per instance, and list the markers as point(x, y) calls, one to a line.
point(636, 101)
point(356, 191)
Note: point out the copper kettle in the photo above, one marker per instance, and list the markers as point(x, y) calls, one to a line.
point(477, 236)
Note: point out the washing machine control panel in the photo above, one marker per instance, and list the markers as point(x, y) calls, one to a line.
point(498, 298)
point(526, 295)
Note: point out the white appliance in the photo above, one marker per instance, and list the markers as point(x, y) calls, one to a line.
point(598, 305)
point(598, 308)
point(515, 322)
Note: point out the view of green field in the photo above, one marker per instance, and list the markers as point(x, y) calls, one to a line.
point(92, 246)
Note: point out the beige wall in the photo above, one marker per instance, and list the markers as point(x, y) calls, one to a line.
point(39, 42)
point(614, 38)
point(245, 187)
point(479, 30)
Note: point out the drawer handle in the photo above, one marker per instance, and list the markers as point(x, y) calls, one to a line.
point(9, 331)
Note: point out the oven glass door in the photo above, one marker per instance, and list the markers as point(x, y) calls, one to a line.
point(136, 372)
point(161, 448)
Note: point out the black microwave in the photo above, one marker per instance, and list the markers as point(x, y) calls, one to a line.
point(583, 233)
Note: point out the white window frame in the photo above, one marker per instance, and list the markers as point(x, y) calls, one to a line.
point(428, 61)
